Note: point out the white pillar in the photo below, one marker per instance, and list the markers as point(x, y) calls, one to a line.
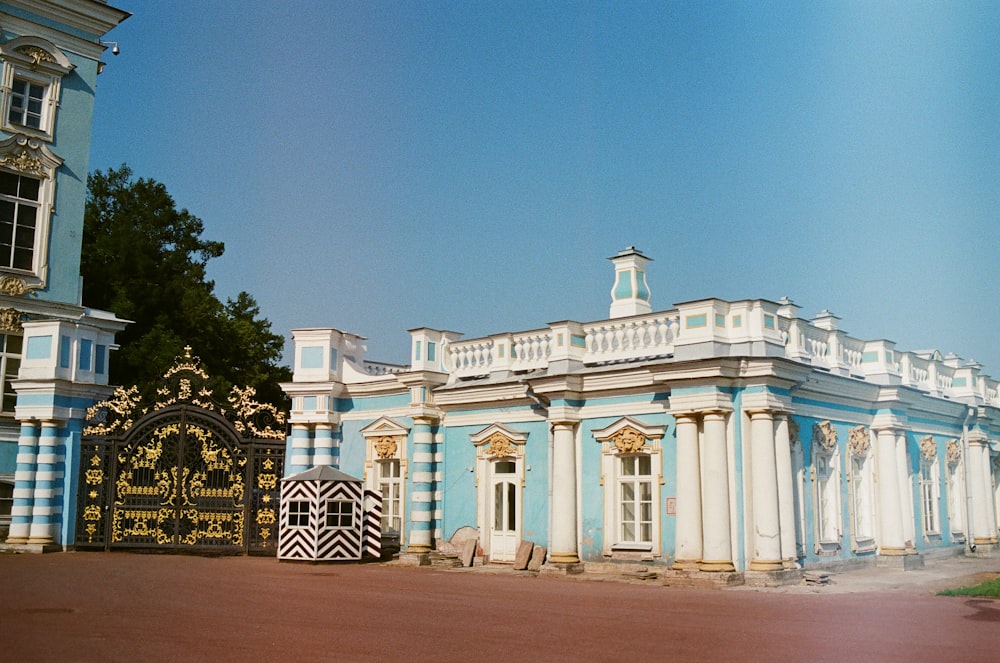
point(24, 483)
point(786, 493)
point(687, 552)
point(422, 496)
point(46, 508)
point(891, 534)
point(323, 445)
point(717, 545)
point(563, 543)
point(767, 529)
point(906, 493)
point(983, 527)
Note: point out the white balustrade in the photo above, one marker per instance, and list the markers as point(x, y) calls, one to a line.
point(615, 340)
point(471, 358)
point(531, 350)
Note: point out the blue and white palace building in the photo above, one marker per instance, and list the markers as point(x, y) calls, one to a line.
point(715, 437)
point(53, 349)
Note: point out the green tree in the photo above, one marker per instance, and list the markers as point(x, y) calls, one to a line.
point(145, 260)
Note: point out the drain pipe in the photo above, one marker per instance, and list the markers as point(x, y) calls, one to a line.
point(968, 481)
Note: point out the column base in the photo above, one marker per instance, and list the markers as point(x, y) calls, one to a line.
point(790, 564)
point(40, 540)
point(984, 540)
point(16, 540)
point(722, 566)
point(766, 565)
point(563, 569)
point(563, 558)
point(685, 565)
point(892, 551)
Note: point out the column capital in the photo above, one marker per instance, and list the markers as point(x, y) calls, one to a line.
point(762, 413)
point(425, 419)
point(887, 420)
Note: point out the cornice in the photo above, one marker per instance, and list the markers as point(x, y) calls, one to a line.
point(89, 16)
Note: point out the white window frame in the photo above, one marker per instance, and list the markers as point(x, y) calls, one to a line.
point(10, 363)
point(28, 157)
point(387, 440)
point(294, 510)
point(635, 480)
point(39, 62)
point(334, 507)
point(391, 487)
point(930, 496)
point(625, 438)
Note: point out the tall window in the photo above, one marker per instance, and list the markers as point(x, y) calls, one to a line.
point(26, 99)
point(631, 473)
point(635, 498)
point(19, 198)
point(929, 494)
point(10, 363)
point(956, 491)
point(862, 488)
point(390, 484)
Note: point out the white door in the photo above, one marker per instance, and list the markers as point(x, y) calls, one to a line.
point(505, 523)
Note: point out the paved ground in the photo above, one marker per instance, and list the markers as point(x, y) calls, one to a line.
point(131, 607)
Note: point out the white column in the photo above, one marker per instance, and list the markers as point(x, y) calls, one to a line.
point(687, 552)
point(906, 493)
point(47, 506)
point(563, 543)
point(717, 547)
point(422, 496)
point(24, 483)
point(767, 529)
point(786, 493)
point(323, 445)
point(983, 529)
point(891, 541)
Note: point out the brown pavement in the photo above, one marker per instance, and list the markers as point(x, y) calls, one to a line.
point(133, 607)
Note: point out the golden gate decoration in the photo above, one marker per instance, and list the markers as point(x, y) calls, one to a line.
point(179, 471)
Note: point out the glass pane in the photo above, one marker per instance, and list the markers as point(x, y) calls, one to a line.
point(511, 507)
point(628, 492)
point(18, 87)
point(647, 532)
point(22, 259)
point(645, 463)
point(8, 184)
point(504, 467)
point(628, 466)
point(14, 343)
point(628, 531)
point(646, 490)
point(498, 507)
point(628, 512)
point(29, 188)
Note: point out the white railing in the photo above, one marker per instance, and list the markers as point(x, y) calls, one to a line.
point(634, 338)
point(656, 335)
point(531, 351)
point(382, 368)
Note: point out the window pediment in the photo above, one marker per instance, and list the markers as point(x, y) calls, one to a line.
point(386, 436)
point(499, 441)
point(629, 435)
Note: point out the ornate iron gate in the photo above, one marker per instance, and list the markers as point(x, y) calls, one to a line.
point(187, 475)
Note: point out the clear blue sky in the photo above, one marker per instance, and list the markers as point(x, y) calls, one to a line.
point(378, 166)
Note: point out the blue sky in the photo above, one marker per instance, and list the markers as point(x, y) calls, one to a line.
point(379, 166)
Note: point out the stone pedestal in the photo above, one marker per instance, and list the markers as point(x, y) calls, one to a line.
point(900, 562)
point(554, 568)
point(776, 578)
point(414, 559)
point(702, 579)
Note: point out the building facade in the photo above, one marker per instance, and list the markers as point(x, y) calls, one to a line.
point(717, 436)
point(53, 349)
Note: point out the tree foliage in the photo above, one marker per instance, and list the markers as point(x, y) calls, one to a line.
point(145, 260)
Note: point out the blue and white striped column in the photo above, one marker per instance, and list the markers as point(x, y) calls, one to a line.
point(422, 494)
point(46, 510)
point(24, 483)
point(326, 448)
point(300, 449)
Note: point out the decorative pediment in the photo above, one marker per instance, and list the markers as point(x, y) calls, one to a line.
point(824, 436)
point(928, 449)
point(499, 441)
point(37, 54)
point(629, 436)
point(29, 156)
point(186, 383)
point(859, 441)
point(386, 436)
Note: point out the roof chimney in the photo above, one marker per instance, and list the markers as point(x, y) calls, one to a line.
point(630, 294)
